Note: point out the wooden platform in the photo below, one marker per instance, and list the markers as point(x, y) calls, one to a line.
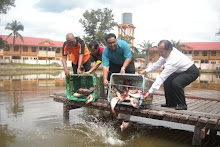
point(204, 114)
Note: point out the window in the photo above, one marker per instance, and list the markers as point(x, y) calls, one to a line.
point(196, 53)
point(57, 58)
point(34, 49)
point(25, 58)
point(45, 48)
point(213, 53)
point(49, 49)
point(204, 53)
point(25, 49)
point(35, 58)
point(204, 61)
point(213, 62)
point(53, 49)
point(190, 52)
point(16, 48)
point(6, 57)
point(58, 50)
point(196, 61)
point(40, 48)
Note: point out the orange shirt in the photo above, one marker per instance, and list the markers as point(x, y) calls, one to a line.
point(75, 51)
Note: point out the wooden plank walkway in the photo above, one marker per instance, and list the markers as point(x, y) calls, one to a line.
point(204, 114)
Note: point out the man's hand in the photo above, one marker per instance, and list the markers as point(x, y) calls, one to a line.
point(79, 71)
point(105, 82)
point(142, 72)
point(122, 70)
point(146, 95)
point(86, 73)
point(67, 73)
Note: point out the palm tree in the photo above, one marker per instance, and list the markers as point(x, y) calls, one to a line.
point(177, 45)
point(14, 27)
point(218, 33)
point(145, 46)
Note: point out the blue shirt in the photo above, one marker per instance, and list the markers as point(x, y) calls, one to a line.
point(118, 56)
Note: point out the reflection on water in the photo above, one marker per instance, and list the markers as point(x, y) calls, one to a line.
point(29, 117)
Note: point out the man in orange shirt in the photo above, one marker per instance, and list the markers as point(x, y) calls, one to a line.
point(79, 54)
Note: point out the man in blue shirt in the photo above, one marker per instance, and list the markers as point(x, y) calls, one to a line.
point(116, 57)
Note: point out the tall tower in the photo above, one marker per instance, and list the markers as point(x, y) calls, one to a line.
point(126, 28)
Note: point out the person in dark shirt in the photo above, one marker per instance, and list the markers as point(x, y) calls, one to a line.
point(96, 52)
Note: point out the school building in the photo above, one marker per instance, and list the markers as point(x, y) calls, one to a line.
point(47, 49)
point(32, 49)
point(199, 52)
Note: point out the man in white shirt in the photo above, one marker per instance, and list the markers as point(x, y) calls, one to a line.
point(179, 72)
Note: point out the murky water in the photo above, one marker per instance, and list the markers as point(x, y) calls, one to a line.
point(29, 117)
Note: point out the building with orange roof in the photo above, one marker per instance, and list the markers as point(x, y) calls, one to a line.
point(47, 49)
point(199, 52)
point(32, 49)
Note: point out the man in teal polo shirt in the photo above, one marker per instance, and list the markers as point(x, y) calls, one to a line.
point(116, 57)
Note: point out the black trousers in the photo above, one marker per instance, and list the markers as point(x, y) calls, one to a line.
point(87, 66)
point(175, 84)
point(116, 68)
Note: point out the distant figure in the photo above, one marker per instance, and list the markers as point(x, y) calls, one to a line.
point(96, 52)
point(116, 57)
point(178, 72)
point(79, 54)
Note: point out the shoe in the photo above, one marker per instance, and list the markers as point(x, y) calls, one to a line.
point(165, 105)
point(181, 107)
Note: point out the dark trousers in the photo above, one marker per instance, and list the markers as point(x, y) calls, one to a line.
point(175, 84)
point(116, 68)
point(87, 66)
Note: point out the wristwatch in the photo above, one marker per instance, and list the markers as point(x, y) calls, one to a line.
point(123, 67)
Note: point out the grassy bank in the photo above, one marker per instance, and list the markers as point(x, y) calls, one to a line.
point(20, 66)
point(50, 67)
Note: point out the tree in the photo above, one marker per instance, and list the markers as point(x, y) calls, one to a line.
point(97, 23)
point(128, 39)
point(14, 27)
point(145, 46)
point(177, 45)
point(3, 44)
point(218, 33)
point(5, 5)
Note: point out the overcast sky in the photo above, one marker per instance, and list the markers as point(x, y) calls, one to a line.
point(185, 20)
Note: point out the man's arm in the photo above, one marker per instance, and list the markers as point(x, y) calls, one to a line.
point(80, 63)
point(64, 58)
point(81, 54)
point(105, 75)
point(126, 63)
point(93, 68)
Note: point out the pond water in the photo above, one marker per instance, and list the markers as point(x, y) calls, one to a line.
point(29, 117)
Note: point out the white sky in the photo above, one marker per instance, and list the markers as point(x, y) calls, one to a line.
point(185, 20)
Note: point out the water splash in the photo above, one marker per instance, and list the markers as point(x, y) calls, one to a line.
point(103, 132)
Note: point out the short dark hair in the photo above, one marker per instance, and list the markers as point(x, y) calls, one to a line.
point(110, 35)
point(167, 44)
point(93, 43)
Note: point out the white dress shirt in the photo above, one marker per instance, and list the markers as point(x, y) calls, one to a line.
point(175, 62)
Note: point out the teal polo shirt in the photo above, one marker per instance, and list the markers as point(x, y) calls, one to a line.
point(118, 56)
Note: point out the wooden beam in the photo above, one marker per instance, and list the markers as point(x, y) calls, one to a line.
point(197, 140)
